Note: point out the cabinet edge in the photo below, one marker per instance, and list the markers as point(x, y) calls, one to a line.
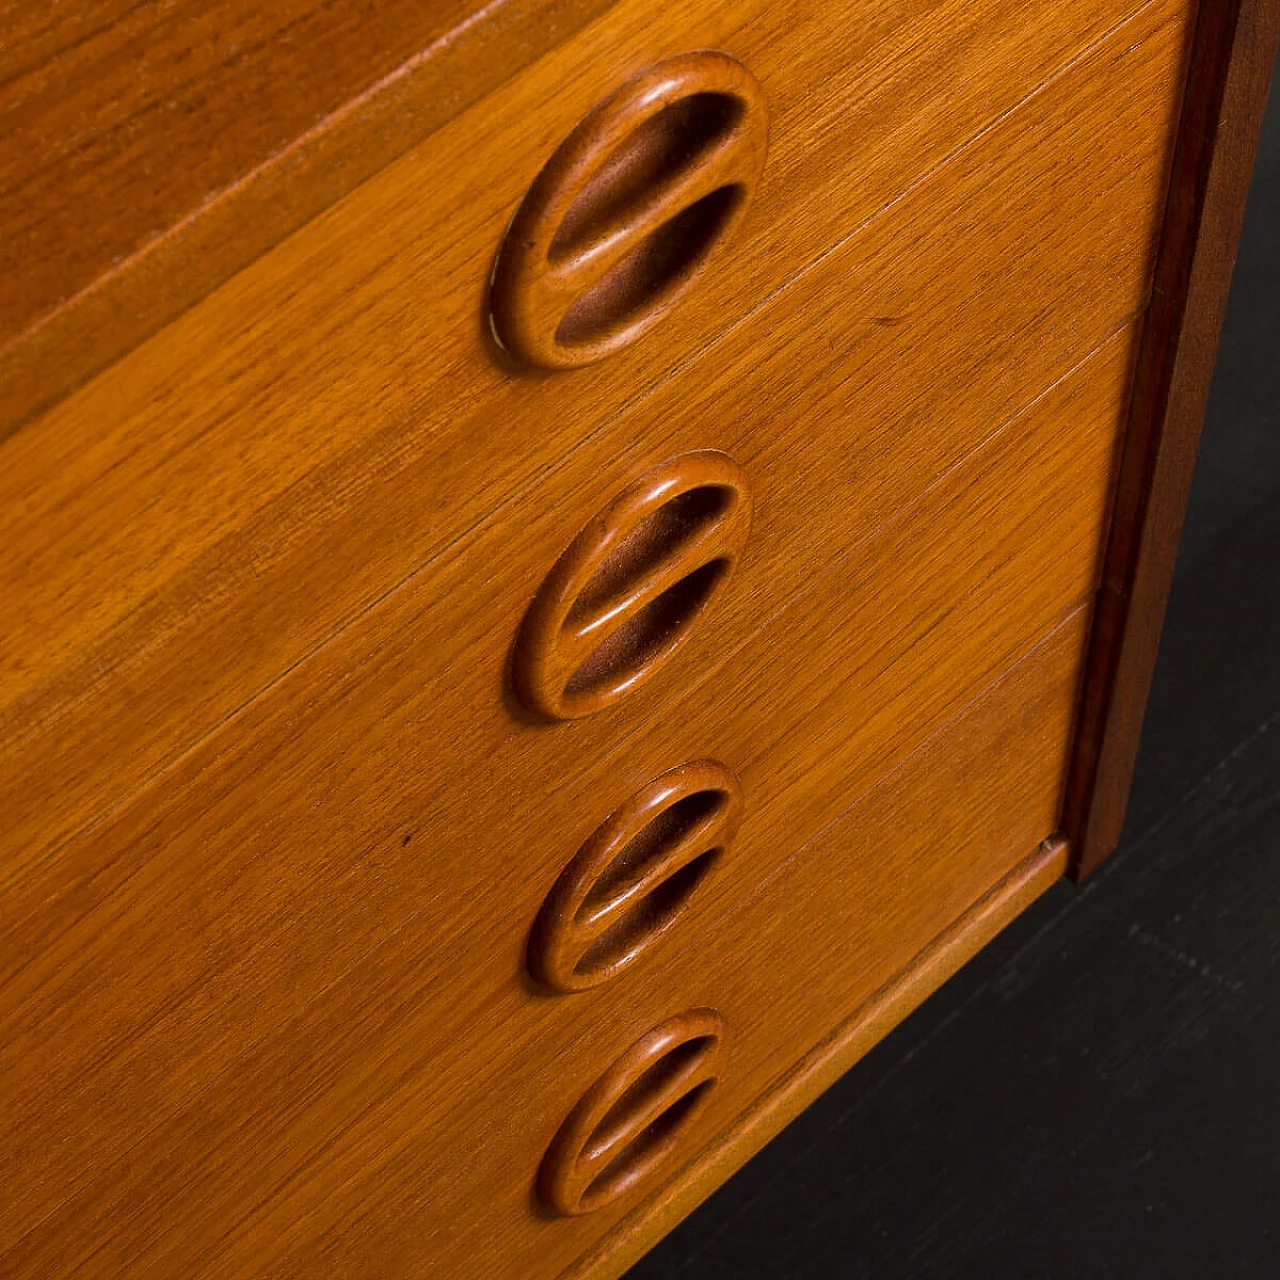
point(826, 1063)
point(1230, 65)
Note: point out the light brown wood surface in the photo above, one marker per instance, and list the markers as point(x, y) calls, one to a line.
point(906, 60)
point(622, 219)
point(149, 150)
point(635, 1115)
point(200, 966)
point(232, 511)
point(868, 896)
point(298, 867)
point(823, 1065)
point(632, 586)
point(634, 875)
point(125, 117)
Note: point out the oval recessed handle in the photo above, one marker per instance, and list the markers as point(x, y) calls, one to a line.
point(635, 1114)
point(634, 876)
point(626, 592)
point(627, 212)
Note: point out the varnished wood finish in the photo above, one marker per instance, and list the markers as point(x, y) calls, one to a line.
point(823, 1065)
point(1235, 51)
point(960, 815)
point(630, 588)
point(379, 919)
point(634, 876)
point(221, 505)
point(1002, 761)
point(623, 218)
point(370, 731)
point(636, 1115)
point(148, 151)
point(879, 59)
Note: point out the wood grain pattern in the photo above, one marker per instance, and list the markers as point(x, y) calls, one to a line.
point(623, 218)
point(826, 1062)
point(947, 820)
point(148, 151)
point(630, 588)
point(618, 1134)
point(169, 572)
point(312, 951)
point(633, 877)
point(1235, 51)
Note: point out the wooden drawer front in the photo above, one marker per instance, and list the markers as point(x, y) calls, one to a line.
point(202, 515)
point(784, 969)
point(285, 933)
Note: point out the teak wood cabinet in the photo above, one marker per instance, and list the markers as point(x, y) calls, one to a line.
point(562, 565)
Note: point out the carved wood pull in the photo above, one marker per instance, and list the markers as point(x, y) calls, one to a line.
point(635, 1114)
point(634, 876)
point(625, 593)
point(628, 210)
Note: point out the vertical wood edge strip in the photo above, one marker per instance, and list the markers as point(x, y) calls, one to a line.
point(825, 1064)
point(1232, 56)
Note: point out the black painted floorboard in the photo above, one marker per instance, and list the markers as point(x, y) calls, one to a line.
point(1098, 1093)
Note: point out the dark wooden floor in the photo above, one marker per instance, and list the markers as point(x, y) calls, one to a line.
point(1098, 1094)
